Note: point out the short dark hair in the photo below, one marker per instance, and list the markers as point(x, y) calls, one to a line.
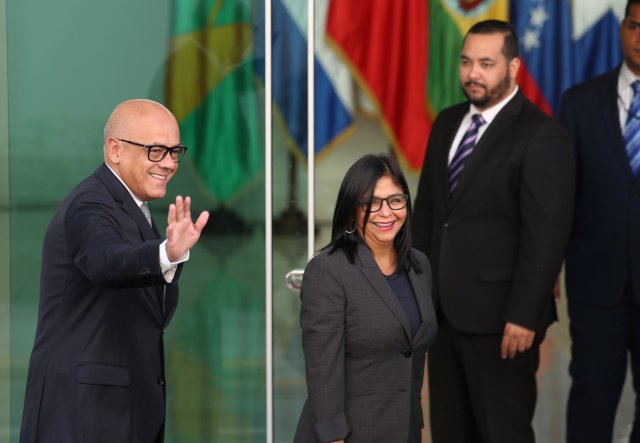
point(509, 47)
point(629, 4)
point(359, 183)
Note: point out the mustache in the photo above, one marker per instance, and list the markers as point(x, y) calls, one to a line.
point(472, 83)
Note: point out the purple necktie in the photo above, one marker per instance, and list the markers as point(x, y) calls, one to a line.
point(465, 148)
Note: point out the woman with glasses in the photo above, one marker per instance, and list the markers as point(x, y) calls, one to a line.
point(367, 318)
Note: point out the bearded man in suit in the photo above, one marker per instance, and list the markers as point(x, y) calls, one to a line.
point(493, 213)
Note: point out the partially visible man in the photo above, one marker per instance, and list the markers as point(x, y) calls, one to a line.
point(108, 288)
point(493, 213)
point(603, 257)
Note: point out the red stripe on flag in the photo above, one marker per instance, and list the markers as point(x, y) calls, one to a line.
point(530, 88)
point(385, 42)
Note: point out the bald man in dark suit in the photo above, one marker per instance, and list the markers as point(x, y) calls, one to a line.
point(109, 286)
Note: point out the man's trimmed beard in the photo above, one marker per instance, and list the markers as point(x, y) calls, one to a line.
point(491, 97)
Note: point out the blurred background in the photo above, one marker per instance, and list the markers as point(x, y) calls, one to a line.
point(383, 69)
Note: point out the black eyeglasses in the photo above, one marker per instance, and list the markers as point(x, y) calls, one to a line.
point(395, 202)
point(157, 153)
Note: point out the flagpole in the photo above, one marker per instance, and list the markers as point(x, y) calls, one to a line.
point(268, 219)
point(310, 129)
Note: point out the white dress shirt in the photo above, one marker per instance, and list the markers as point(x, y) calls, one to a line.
point(625, 93)
point(488, 114)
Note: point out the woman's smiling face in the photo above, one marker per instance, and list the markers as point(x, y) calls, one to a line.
point(383, 225)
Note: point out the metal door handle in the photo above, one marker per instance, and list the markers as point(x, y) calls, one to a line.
point(294, 279)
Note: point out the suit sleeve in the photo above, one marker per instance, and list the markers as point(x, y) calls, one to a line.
point(322, 318)
point(546, 209)
point(108, 251)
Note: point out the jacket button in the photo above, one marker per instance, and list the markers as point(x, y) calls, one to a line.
point(161, 381)
point(446, 225)
point(407, 354)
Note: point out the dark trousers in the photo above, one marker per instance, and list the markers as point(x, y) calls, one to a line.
point(475, 395)
point(602, 338)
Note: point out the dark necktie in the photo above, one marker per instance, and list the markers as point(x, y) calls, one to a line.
point(144, 207)
point(632, 130)
point(465, 148)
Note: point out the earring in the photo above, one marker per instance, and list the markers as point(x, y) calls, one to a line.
point(352, 230)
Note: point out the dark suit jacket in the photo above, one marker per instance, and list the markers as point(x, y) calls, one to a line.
point(496, 245)
point(364, 369)
point(603, 256)
point(96, 371)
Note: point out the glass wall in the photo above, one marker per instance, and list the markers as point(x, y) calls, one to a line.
point(63, 68)
point(68, 64)
point(5, 368)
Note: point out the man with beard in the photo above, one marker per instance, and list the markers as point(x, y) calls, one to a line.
point(493, 213)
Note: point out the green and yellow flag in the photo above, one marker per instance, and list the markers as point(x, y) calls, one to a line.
point(211, 89)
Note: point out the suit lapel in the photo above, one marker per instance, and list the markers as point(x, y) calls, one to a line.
point(419, 288)
point(490, 137)
point(371, 271)
point(128, 205)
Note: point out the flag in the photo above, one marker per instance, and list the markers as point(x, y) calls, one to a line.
point(385, 45)
point(211, 86)
point(333, 86)
point(596, 36)
point(544, 32)
point(560, 47)
point(406, 56)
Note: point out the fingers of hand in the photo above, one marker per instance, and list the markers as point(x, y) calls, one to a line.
point(509, 347)
point(171, 217)
point(179, 209)
point(514, 342)
point(201, 221)
point(187, 207)
point(504, 346)
point(512, 347)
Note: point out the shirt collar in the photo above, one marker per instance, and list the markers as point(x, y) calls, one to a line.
point(490, 113)
point(626, 76)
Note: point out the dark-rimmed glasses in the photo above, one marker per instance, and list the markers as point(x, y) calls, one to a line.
point(395, 202)
point(156, 153)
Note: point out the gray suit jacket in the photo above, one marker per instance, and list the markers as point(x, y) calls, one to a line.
point(364, 370)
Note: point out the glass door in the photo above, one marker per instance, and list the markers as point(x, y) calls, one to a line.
point(204, 59)
point(292, 227)
point(235, 371)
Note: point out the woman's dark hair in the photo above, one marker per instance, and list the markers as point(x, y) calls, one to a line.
point(358, 185)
